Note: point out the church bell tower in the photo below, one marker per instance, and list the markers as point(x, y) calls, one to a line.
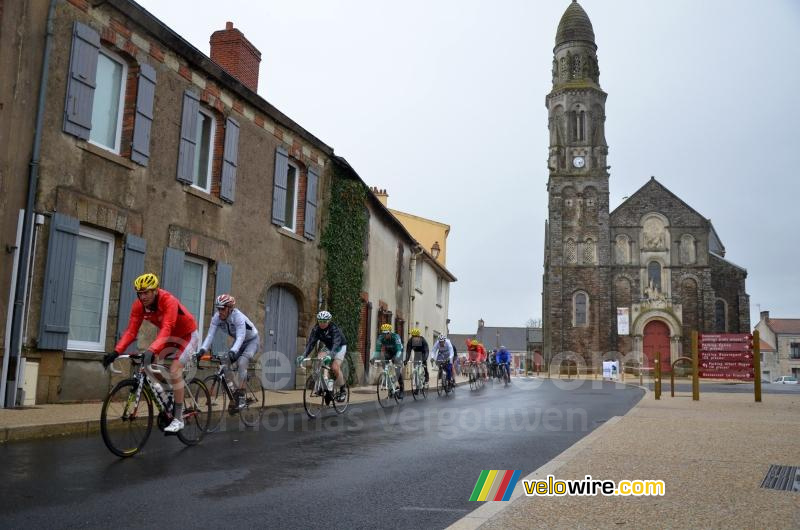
point(576, 286)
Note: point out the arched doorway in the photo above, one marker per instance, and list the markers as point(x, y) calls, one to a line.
point(280, 339)
point(656, 340)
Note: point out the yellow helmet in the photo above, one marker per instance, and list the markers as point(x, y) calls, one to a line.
point(474, 342)
point(415, 332)
point(386, 328)
point(146, 281)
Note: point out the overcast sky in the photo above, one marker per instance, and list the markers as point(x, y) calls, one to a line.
point(441, 102)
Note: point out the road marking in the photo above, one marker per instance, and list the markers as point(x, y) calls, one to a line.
point(426, 509)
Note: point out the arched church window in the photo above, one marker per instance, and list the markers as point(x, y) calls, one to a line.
point(581, 126)
point(654, 275)
point(581, 305)
point(576, 67)
point(720, 315)
point(588, 252)
point(622, 250)
point(571, 251)
point(688, 253)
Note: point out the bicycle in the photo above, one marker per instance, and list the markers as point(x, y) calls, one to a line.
point(475, 378)
point(318, 391)
point(505, 371)
point(126, 418)
point(443, 384)
point(387, 386)
point(418, 383)
point(222, 390)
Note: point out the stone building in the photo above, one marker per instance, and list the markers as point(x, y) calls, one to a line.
point(152, 157)
point(637, 279)
point(780, 346)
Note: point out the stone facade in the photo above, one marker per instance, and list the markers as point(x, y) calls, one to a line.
point(653, 258)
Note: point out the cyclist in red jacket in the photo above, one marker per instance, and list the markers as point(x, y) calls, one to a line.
point(177, 334)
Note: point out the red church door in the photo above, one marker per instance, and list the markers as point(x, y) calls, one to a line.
point(656, 340)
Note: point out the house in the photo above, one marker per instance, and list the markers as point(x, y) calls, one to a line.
point(782, 336)
point(151, 157)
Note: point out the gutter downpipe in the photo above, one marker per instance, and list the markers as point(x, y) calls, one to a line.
point(15, 349)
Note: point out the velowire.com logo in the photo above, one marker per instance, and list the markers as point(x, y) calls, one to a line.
point(494, 485)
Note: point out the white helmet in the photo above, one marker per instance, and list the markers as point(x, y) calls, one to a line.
point(442, 338)
point(324, 316)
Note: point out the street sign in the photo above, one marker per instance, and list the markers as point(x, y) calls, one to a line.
point(725, 346)
point(727, 356)
point(726, 337)
point(712, 374)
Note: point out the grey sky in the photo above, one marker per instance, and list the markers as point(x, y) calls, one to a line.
point(442, 103)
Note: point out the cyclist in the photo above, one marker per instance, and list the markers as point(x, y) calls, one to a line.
point(476, 354)
point(390, 344)
point(177, 333)
point(504, 361)
point(333, 339)
point(443, 351)
point(493, 364)
point(245, 344)
point(419, 346)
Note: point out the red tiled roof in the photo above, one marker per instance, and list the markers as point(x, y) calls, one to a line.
point(784, 325)
point(765, 346)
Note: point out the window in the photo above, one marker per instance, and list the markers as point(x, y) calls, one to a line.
point(794, 350)
point(581, 304)
point(571, 251)
point(588, 252)
point(719, 316)
point(90, 287)
point(439, 291)
point(109, 100)
point(204, 151)
point(193, 288)
point(418, 277)
point(291, 197)
point(654, 275)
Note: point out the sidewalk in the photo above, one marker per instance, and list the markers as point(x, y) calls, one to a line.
point(83, 419)
point(712, 456)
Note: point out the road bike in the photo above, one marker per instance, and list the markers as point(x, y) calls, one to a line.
point(318, 391)
point(418, 383)
point(222, 389)
point(444, 385)
point(475, 376)
point(387, 386)
point(505, 373)
point(126, 418)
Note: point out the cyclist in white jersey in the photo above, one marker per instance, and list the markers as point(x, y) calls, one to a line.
point(245, 335)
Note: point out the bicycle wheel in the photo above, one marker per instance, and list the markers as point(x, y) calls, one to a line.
point(125, 424)
point(219, 401)
point(196, 412)
point(341, 406)
point(414, 384)
point(439, 383)
point(255, 397)
point(423, 385)
point(473, 382)
point(382, 389)
point(313, 398)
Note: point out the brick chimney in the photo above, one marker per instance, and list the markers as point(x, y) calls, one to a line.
point(237, 55)
point(382, 196)
point(765, 316)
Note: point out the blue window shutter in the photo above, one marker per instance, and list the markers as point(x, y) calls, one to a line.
point(224, 276)
point(145, 96)
point(172, 271)
point(311, 204)
point(81, 81)
point(191, 107)
point(279, 186)
point(132, 267)
point(59, 271)
point(230, 158)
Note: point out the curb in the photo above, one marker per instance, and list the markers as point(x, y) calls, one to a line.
point(490, 509)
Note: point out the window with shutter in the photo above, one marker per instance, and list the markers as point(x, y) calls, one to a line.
point(143, 121)
point(132, 267)
point(230, 160)
point(193, 288)
point(109, 101)
point(81, 81)
point(279, 187)
point(91, 284)
point(311, 204)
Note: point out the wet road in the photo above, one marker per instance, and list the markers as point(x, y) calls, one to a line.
point(413, 465)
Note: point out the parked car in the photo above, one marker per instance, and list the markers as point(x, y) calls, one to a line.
point(786, 380)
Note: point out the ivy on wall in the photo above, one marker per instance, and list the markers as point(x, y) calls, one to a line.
point(343, 242)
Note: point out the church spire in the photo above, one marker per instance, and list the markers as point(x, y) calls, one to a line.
point(575, 61)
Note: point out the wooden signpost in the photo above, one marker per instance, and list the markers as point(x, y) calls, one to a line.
point(726, 356)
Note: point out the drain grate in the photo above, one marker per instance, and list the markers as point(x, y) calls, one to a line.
point(783, 478)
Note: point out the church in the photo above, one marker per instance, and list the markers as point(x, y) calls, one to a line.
point(636, 280)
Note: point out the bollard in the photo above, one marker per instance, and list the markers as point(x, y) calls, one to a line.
point(658, 375)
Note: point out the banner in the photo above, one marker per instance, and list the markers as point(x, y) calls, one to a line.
point(623, 321)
